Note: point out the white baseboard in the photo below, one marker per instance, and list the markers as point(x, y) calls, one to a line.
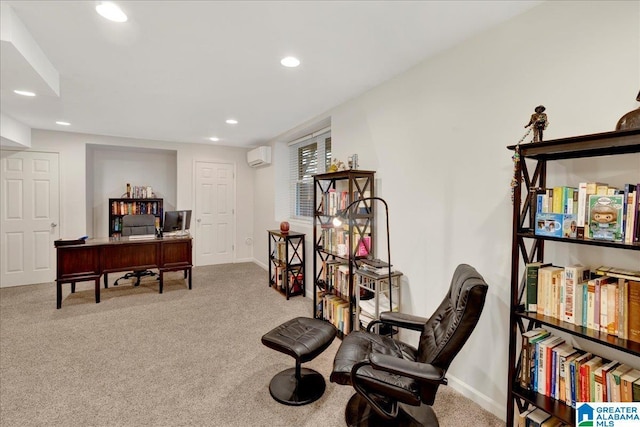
point(496, 408)
point(239, 260)
point(258, 263)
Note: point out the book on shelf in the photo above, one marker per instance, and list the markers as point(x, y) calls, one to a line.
point(529, 339)
point(576, 392)
point(522, 416)
point(613, 311)
point(635, 391)
point(375, 266)
point(626, 381)
point(633, 311)
point(629, 214)
point(369, 306)
point(594, 296)
point(552, 422)
point(582, 204)
point(559, 355)
point(615, 382)
point(549, 282)
point(624, 273)
point(602, 189)
point(575, 276)
point(623, 308)
point(606, 369)
point(597, 393)
point(363, 243)
point(565, 396)
point(543, 354)
point(586, 377)
point(636, 231)
point(531, 292)
point(536, 417)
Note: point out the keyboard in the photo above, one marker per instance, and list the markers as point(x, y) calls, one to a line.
point(142, 236)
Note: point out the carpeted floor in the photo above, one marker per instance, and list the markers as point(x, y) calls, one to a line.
point(183, 358)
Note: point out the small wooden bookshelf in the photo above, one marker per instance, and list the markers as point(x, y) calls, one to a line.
point(128, 206)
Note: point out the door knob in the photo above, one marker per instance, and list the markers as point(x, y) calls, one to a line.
point(198, 220)
point(54, 225)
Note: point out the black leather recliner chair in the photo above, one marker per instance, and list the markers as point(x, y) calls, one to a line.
point(396, 383)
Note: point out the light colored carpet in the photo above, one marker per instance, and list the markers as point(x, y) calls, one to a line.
point(183, 358)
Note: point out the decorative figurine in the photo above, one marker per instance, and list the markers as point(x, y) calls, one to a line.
point(284, 227)
point(337, 165)
point(539, 123)
point(631, 120)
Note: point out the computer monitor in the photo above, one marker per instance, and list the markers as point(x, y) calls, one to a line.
point(176, 221)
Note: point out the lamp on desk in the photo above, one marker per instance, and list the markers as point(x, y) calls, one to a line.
point(347, 214)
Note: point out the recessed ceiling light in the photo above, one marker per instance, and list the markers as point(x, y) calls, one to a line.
point(214, 139)
point(63, 123)
point(290, 62)
point(111, 11)
point(24, 93)
point(232, 121)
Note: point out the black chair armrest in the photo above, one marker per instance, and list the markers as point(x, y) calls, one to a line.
point(407, 368)
point(401, 320)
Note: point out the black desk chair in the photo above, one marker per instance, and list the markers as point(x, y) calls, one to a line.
point(396, 383)
point(136, 225)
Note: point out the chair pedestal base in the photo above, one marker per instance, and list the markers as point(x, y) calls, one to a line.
point(297, 388)
point(360, 414)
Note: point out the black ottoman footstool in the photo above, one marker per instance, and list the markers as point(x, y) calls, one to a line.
point(302, 338)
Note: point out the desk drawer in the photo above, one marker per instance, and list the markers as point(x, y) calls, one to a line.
point(77, 261)
point(176, 253)
point(129, 256)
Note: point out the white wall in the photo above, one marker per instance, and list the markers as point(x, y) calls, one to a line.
point(437, 137)
point(76, 216)
point(113, 167)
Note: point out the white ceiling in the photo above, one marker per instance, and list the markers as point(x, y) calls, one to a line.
point(178, 69)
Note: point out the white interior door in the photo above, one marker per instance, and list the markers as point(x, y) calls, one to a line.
point(215, 213)
point(30, 215)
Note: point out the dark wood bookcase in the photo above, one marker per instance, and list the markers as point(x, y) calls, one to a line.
point(286, 262)
point(337, 248)
point(127, 206)
point(529, 175)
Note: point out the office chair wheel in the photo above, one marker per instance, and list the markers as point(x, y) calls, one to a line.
point(360, 414)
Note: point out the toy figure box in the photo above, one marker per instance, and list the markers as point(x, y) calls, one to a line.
point(605, 217)
point(556, 225)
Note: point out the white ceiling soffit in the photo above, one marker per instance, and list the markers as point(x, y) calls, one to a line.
point(176, 70)
point(24, 64)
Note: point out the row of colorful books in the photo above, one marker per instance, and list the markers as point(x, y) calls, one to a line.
point(336, 241)
point(552, 367)
point(592, 210)
point(135, 208)
point(288, 277)
point(333, 202)
point(608, 302)
point(335, 310)
point(335, 275)
point(279, 254)
point(139, 192)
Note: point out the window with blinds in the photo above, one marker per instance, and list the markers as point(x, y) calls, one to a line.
point(307, 157)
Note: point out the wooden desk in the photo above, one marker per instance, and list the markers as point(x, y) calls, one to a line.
point(89, 261)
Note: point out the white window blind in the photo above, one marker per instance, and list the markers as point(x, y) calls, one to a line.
point(308, 156)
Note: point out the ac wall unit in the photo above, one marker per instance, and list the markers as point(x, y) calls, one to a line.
point(259, 156)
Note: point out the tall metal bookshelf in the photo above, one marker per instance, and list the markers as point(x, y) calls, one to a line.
point(337, 248)
point(530, 175)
